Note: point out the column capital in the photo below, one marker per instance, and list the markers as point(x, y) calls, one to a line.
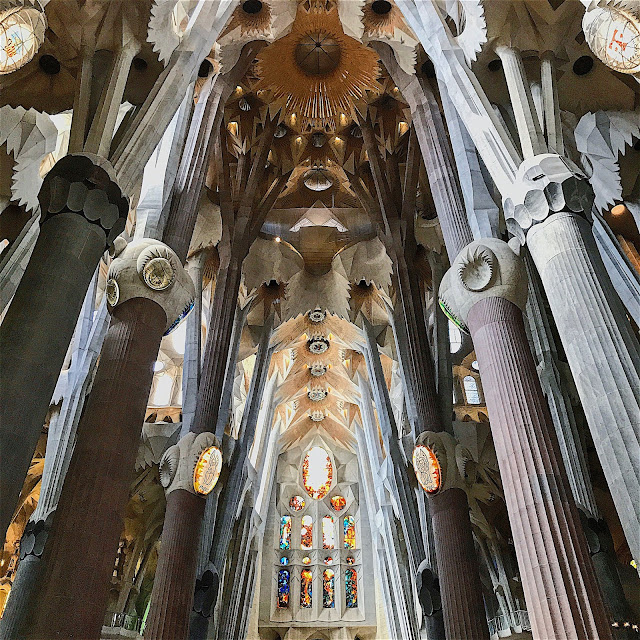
point(438, 462)
point(180, 462)
point(85, 184)
point(150, 269)
point(487, 268)
point(545, 184)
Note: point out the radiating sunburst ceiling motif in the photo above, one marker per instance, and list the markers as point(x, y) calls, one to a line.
point(317, 71)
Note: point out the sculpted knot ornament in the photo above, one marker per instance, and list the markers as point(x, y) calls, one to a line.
point(194, 464)
point(150, 269)
point(545, 184)
point(487, 268)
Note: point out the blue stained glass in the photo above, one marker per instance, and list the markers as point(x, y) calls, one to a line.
point(285, 532)
point(283, 588)
point(284, 560)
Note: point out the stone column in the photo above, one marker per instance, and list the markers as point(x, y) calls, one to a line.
point(486, 289)
point(193, 345)
point(548, 207)
point(147, 291)
point(60, 441)
point(83, 211)
point(242, 227)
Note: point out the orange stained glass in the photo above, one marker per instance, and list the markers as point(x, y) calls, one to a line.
point(349, 532)
point(338, 503)
point(317, 473)
point(297, 503)
point(306, 581)
point(207, 470)
point(306, 533)
point(285, 532)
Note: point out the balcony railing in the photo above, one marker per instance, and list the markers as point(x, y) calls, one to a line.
point(123, 621)
point(516, 621)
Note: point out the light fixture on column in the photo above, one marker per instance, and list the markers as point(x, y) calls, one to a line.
point(22, 27)
point(427, 468)
point(207, 470)
point(613, 34)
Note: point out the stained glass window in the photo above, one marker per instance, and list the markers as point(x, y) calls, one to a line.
point(328, 533)
point(328, 560)
point(317, 473)
point(284, 560)
point(351, 588)
point(349, 532)
point(306, 580)
point(285, 532)
point(338, 503)
point(351, 560)
point(328, 585)
point(283, 588)
point(297, 503)
point(306, 533)
point(471, 390)
point(306, 560)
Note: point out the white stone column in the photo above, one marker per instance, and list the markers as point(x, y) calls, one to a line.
point(548, 206)
point(193, 346)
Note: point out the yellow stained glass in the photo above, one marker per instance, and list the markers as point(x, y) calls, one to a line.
point(317, 473)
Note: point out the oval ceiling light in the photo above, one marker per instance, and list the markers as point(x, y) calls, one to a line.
point(318, 179)
point(207, 471)
point(427, 469)
point(22, 30)
point(614, 37)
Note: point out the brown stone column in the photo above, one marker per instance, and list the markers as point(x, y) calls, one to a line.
point(485, 291)
point(172, 597)
point(558, 579)
point(458, 571)
point(78, 560)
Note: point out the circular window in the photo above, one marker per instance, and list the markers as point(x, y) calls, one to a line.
point(338, 503)
point(297, 503)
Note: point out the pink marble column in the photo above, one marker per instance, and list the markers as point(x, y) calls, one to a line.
point(558, 578)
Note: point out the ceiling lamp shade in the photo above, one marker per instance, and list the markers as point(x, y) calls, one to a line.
point(614, 37)
point(318, 179)
point(22, 28)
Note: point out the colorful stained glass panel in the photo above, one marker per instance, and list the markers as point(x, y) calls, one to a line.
point(284, 560)
point(351, 588)
point(328, 586)
point(306, 581)
point(285, 532)
point(338, 503)
point(317, 473)
point(328, 533)
point(349, 532)
point(306, 533)
point(297, 503)
point(283, 588)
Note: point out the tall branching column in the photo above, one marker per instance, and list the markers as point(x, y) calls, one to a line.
point(548, 207)
point(486, 289)
point(72, 596)
point(83, 210)
point(171, 600)
point(463, 607)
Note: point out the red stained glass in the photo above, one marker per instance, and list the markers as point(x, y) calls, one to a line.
point(306, 581)
point(338, 503)
point(306, 533)
point(317, 473)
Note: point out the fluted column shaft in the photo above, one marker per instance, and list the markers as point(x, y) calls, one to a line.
point(558, 579)
point(601, 350)
point(462, 602)
point(172, 596)
point(34, 337)
point(72, 596)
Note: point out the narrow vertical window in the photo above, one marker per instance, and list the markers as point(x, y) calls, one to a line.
point(306, 580)
point(471, 390)
point(283, 588)
point(349, 532)
point(328, 533)
point(351, 588)
point(285, 532)
point(328, 586)
point(306, 533)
